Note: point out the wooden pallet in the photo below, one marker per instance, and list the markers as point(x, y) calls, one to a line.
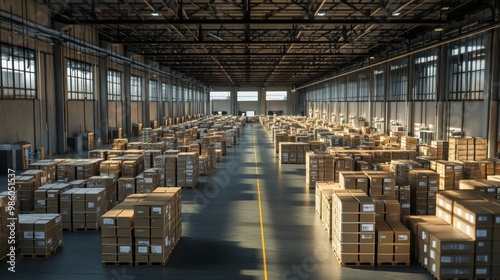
point(41, 257)
point(86, 229)
point(117, 263)
point(163, 263)
point(393, 263)
point(357, 263)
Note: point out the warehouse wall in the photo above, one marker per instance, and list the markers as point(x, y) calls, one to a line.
point(221, 105)
point(115, 114)
point(249, 106)
point(136, 115)
point(153, 111)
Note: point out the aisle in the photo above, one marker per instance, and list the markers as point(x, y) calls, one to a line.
point(223, 230)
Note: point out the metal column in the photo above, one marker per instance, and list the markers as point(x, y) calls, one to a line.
point(145, 103)
point(60, 94)
point(127, 103)
point(442, 91)
point(493, 95)
point(103, 99)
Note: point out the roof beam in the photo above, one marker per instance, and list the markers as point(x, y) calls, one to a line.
point(159, 55)
point(266, 22)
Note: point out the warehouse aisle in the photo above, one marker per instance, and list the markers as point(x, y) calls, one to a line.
point(223, 229)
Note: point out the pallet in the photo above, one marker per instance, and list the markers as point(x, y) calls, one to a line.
point(357, 263)
point(160, 263)
point(117, 263)
point(86, 229)
point(393, 263)
point(41, 257)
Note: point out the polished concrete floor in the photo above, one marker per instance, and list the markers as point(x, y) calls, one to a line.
point(223, 230)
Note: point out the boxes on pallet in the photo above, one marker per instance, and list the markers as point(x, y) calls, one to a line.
point(442, 149)
point(87, 207)
point(387, 210)
point(188, 170)
point(450, 174)
point(39, 175)
point(152, 180)
point(129, 169)
point(117, 227)
point(102, 154)
point(319, 167)
point(4, 229)
point(66, 170)
point(149, 156)
point(409, 143)
point(381, 184)
point(474, 169)
point(489, 187)
point(111, 168)
point(108, 183)
point(25, 187)
point(424, 186)
point(126, 187)
point(353, 227)
point(393, 243)
point(40, 235)
point(47, 197)
point(353, 180)
point(49, 166)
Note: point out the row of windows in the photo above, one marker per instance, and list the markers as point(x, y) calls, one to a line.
point(249, 95)
point(466, 64)
point(18, 79)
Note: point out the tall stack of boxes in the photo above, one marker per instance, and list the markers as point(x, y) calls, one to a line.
point(442, 149)
point(393, 243)
point(117, 235)
point(480, 148)
point(461, 149)
point(292, 152)
point(424, 185)
point(409, 143)
point(129, 169)
point(49, 166)
point(171, 171)
point(25, 187)
point(152, 180)
point(160, 162)
point(450, 174)
point(351, 180)
point(342, 163)
point(88, 205)
point(353, 227)
point(111, 168)
point(157, 226)
point(4, 230)
point(66, 170)
point(149, 156)
point(40, 235)
point(47, 197)
point(381, 185)
point(474, 169)
point(126, 187)
point(107, 183)
point(319, 167)
point(188, 170)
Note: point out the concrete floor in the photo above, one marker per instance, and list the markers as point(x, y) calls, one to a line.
point(222, 233)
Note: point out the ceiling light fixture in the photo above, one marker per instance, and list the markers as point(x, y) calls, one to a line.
point(155, 14)
point(321, 14)
point(396, 14)
point(438, 29)
point(445, 8)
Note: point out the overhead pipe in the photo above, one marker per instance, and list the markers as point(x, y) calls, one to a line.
point(54, 34)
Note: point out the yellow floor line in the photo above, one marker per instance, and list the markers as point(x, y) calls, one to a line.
point(260, 210)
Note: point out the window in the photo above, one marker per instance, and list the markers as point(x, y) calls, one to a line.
point(114, 85)
point(174, 92)
point(164, 90)
point(220, 95)
point(467, 64)
point(276, 95)
point(80, 80)
point(187, 94)
point(425, 75)
point(153, 91)
point(363, 85)
point(352, 87)
point(378, 83)
point(18, 80)
point(136, 88)
point(248, 96)
point(399, 79)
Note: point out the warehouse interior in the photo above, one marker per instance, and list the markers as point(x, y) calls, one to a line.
point(86, 79)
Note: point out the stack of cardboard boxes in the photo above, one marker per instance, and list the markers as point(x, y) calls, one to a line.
point(382, 185)
point(450, 174)
point(86, 208)
point(293, 152)
point(341, 163)
point(117, 235)
point(25, 187)
point(323, 204)
point(442, 149)
point(152, 180)
point(393, 243)
point(126, 187)
point(278, 138)
point(149, 156)
point(351, 180)
point(108, 183)
point(480, 148)
point(4, 230)
point(66, 170)
point(353, 227)
point(188, 170)
point(47, 197)
point(409, 143)
point(319, 167)
point(40, 235)
point(461, 149)
point(160, 162)
point(401, 169)
point(474, 169)
point(111, 168)
point(49, 166)
point(157, 226)
point(485, 186)
point(424, 186)
point(129, 169)
point(87, 168)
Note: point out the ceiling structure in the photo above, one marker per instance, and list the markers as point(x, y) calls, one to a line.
point(263, 42)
